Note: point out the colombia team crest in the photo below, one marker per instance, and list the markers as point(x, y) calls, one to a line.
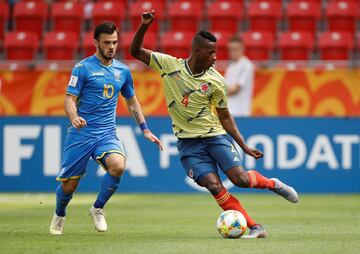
point(204, 87)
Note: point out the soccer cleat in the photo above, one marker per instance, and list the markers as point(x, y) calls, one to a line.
point(98, 216)
point(256, 231)
point(57, 225)
point(285, 191)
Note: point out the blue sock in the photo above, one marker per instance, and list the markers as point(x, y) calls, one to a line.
point(108, 187)
point(62, 200)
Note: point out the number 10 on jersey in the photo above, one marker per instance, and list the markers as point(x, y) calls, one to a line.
point(108, 91)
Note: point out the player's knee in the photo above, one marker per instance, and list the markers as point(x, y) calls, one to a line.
point(116, 171)
point(242, 179)
point(70, 186)
point(214, 187)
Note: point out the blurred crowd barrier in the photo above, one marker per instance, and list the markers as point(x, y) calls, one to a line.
point(277, 92)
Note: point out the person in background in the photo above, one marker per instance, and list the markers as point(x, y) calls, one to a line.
point(239, 79)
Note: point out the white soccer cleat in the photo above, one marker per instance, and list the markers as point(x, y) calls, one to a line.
point(57, 225)
point(98, 216)
point(286, 191)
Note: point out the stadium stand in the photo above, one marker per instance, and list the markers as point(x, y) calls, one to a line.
point(342, 16)
point(185, 16)
point(221, 44)
point(136, 8)
point(224, 15)
point(176, 43)
point(4, 15)
point(126, 39)
point(60, 45)
point(303, 16)
point(335, 45)
point(109, 11)
point(31, 16)
point(296, 45)
point(67, 16)
point(264, 16)
point(258, 44)
point(253, 20)
point(21, 45)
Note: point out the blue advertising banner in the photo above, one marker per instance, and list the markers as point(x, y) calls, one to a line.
point(312, 154)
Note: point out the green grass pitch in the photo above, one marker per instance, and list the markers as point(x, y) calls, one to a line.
point(159, 223)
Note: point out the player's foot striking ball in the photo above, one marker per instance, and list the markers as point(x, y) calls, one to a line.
point(90, 103)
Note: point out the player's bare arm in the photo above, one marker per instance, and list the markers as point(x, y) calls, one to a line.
point(233, 89)
point(136, 48)
point(228, 122)
point(71, 112)
point(135, 110)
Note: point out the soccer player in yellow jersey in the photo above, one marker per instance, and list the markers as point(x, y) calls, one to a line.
point(196, 98)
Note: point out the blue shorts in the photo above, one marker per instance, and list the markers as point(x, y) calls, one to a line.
point(201, 156)
point(79, 148)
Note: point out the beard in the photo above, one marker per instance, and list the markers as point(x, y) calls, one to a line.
point(102, 54)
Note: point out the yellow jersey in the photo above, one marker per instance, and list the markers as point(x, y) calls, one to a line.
point(191, 98)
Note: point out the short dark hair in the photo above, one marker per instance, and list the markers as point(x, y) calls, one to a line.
point(105, 27)
point(207, 35)
point(236, 38)
point(201, 37)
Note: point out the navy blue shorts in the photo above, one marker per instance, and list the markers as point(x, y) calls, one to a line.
point(201, 156)
point(79, 148)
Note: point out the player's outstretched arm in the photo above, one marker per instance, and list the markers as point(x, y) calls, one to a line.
point(136, 111)
point(228, 122)
point(136, 48)
point(71, 111)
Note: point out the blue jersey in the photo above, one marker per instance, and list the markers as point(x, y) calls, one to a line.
point(97, 87)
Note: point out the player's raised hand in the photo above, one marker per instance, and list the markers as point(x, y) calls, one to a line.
point(253, 152)
point(78, 122)
point(147, 17)
point(150, 136)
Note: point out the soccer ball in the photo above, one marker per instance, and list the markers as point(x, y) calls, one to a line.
point(231, 224)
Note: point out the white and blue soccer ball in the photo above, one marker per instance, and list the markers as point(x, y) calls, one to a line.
point(231, 224)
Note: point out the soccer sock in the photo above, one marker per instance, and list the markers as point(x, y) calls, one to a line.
point(259, 181)
point(62, 200)
point(108, 187)
point(228, 202)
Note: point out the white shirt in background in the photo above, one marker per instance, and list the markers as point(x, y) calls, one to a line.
point(242, 74)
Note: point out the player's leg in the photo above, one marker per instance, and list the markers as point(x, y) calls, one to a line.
point(224, 199)
point(230, 164)
point(111, 156)
point(77, 151)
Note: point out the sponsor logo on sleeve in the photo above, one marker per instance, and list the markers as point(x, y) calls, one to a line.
point(73, 81)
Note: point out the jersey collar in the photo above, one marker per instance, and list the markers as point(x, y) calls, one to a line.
point(190, 72)
point(106, 66)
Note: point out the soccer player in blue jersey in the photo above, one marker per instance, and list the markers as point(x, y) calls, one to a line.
point(90, 104)
point(194, 91)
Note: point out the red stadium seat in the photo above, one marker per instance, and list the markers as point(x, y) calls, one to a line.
point(136, 8)
point(258, 45)
point(108, 11)
point(67, 16)
point(264, 16)
point(342, 16)
point(4, 14)
point(176, 44)
point(185, 16)
point(21, 45)
point(60, 45)
point(335, 45)
point(30, 16)
point(224, 15)
point(150, 42)
point(303, 16)
point(296, 45)
point(222, 44)
point(88, 46)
